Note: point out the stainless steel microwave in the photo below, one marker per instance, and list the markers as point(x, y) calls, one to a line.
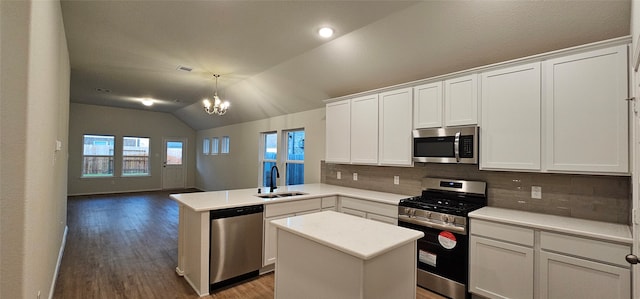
point(446, 145)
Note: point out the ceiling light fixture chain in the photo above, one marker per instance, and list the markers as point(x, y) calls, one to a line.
point(218, 107)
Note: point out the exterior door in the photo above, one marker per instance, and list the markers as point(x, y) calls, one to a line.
point(174, 167)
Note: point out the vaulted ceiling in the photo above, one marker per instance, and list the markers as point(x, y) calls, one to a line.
point(272, 62)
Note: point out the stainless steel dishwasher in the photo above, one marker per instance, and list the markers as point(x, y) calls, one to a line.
point(235, 246)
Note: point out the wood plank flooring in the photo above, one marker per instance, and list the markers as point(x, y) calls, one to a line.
point(125, 246)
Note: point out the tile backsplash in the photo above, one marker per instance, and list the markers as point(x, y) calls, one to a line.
point(601, 198)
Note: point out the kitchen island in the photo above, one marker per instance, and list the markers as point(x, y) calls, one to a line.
point(194, 218)
point(334, 255)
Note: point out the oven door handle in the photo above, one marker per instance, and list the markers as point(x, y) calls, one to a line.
point(456, 146)
point(451, 228)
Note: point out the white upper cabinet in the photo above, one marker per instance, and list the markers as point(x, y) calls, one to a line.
point(396, 141)
point(427, 105)
point(461, 101)
point(510, 118)
point(586, 112)
point(338, 132)
point(364, 130)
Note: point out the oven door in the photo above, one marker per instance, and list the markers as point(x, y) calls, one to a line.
point(442, 252)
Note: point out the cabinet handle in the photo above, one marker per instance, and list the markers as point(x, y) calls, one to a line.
point(632, 259)
point(456, 146)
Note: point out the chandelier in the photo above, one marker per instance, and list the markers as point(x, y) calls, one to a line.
point(218, 106)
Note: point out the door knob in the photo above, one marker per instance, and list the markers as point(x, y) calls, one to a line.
point(632, 259)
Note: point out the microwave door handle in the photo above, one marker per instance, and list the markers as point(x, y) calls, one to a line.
point(456, 146)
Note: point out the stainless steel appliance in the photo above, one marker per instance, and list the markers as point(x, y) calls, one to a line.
point(236, 245)
point(446, 145)
point(441, 213)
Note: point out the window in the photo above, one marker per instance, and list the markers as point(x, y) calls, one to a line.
point(174, 153)
point(225, 145)
point(135, 156)
point(269, 155)
point(214, 145)
point(97, 155)
point(294, 159)
point(206, 145)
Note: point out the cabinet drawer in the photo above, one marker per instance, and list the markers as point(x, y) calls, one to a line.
point(369, 206)
point(384, 219)
point(291, 207)
point(354, 212)
point(588, 248)
point(504, 232)
point(328, 202)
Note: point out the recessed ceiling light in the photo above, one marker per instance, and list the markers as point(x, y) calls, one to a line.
point(147, 102)
point(325, 32)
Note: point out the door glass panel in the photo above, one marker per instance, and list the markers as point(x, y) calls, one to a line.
point(174, 153)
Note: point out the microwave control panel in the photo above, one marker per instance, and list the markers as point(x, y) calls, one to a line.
point(466, 146)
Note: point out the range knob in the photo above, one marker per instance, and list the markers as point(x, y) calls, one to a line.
point(447, 218)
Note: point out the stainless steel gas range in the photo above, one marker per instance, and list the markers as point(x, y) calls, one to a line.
point(441, 213)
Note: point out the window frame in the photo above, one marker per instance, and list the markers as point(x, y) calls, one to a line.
point(215, 145)
point(285, 154)
point(206, 146)
point(148, 157)
point(112, 156)
point(225, 145)
point(261, 156)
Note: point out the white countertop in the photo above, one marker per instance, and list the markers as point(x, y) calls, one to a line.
point(359, 237)
point(214, 200)
point(582, 227)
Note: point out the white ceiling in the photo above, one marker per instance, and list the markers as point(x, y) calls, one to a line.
point(273, 63)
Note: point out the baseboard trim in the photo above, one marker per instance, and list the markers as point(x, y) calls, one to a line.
point(60, 254)
point(193, 286)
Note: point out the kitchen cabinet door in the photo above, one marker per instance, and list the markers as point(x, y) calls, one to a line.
point(427, 106)
point(510, 118)
point(586, 112)
point(338, 132)
point(563, 276)
point(500, 269)
point(395, 125)
point(364, 130)
point(461, 101)
point(270, 241)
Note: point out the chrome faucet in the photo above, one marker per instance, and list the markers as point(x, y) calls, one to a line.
point(272, 183)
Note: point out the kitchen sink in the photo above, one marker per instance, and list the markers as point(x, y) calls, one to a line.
point(279, 195)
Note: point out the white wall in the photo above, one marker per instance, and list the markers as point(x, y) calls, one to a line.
point(91, 119)
point(34, 87)
point(240, 168)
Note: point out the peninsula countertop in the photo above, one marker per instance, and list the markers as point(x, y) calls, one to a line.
point(215, 200)
point(362, 238)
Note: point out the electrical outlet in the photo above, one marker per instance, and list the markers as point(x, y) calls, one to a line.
point(339, 175)
point(536, 192)
point(355, 176)
point(396, 180)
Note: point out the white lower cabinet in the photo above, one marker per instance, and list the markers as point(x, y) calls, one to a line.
point(501, 260)
point(574, 267)
point(500, 269)
point(509, 261)
point(563, 276)
point(371, 210)
point(278, 211)
point(330, 203)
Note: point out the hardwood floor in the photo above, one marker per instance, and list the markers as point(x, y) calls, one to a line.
point(125, 246)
